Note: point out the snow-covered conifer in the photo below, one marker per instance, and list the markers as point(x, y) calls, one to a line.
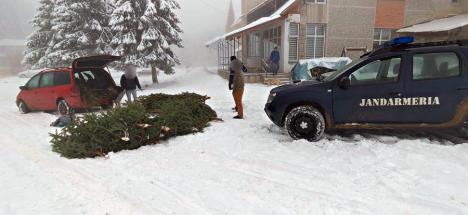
point(38, 41)
point(126, 28)
point(80, 29)
point(161, 32)
point(145, 31)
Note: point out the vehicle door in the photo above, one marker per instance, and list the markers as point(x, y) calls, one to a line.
point(436, 86)
point(62, 85)
point(30, 94)
point(46, 92)
point(372, 87)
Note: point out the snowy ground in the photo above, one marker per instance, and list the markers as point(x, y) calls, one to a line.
point(235, 167)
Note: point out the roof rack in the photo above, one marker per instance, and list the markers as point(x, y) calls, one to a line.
point(396, 47)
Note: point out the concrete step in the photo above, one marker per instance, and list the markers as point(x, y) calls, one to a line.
point(276, 81)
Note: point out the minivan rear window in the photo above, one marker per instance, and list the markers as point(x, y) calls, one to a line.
point(93, 78)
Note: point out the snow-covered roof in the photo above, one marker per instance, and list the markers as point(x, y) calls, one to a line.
point(438, 25)
point(12, 42)
point(276, 15)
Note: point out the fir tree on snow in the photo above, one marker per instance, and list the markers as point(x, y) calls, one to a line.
point(38, 41)
point(126, 28)
point(144, 31)
point(80, 29)
point(161, 31)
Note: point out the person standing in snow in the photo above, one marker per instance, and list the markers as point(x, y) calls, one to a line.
point(129, 82)
point(238, 86)
point(274, 61)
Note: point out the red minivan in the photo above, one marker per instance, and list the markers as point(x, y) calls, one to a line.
point(55, 89)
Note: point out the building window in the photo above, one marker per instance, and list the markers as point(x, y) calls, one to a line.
point(271, 39)
point(315, 1)
point(315, 41)
point(382, 35)
point(293, 42)
point(254, 45)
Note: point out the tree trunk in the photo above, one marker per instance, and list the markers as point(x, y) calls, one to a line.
point(154, 74)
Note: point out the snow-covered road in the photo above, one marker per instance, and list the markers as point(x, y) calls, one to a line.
point(234, 167)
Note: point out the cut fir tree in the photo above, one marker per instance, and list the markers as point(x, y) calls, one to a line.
point(152, 119)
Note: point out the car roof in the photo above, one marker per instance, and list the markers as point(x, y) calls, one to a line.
point(417, 47)
point(55, 70)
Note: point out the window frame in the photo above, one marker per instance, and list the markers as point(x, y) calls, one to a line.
point(42, 76)
point(62, 71)
point(369, 61)
point(460, 65)
point(315, 2)
point(314, 38)
point(254, 48)
point(39, 76)
point(380, 41)
point(292, 36)
point(274, 36)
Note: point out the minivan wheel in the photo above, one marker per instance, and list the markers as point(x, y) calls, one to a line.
point(62, 105)
point(23, 108)
point(305, 122)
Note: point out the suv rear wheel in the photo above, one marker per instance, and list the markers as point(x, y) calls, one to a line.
point(305, 122)
point(62, 107)
point(23, 108)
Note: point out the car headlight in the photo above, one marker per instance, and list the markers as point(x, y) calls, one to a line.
point(271, 97)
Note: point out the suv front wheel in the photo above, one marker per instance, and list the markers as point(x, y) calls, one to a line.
point(305, 122)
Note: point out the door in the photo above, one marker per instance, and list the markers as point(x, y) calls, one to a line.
point(46, 92)
point(30, 95)
point(370, 98)
point(436, 86)
point(62, 86)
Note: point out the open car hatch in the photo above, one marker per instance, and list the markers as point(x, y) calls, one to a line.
point(99, 61)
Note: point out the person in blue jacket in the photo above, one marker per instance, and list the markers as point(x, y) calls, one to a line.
point(274, 61)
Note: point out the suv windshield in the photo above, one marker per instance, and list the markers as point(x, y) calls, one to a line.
point(342, 70)
point(93, 78)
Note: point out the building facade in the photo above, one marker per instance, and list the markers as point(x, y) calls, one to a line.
point(305, 29)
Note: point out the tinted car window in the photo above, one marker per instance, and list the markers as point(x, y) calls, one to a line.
point(94, 78)
point(47, 79)
point(435, 65)
point(61, 78)
point(379, 71)
point(34, 82)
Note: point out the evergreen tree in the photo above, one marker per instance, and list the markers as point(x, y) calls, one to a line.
point(80, 29)
point(126, 28)
point(161, 31)
point(38, 41)
point(144, 31)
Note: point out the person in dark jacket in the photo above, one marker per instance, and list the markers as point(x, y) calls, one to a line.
point(274, 61)
point(129, 82)
point(231, 72)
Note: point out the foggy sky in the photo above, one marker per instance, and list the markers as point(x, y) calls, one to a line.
point(202, 20)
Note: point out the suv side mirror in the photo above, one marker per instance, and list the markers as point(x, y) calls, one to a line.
point(23, 88)
point(344, 83)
